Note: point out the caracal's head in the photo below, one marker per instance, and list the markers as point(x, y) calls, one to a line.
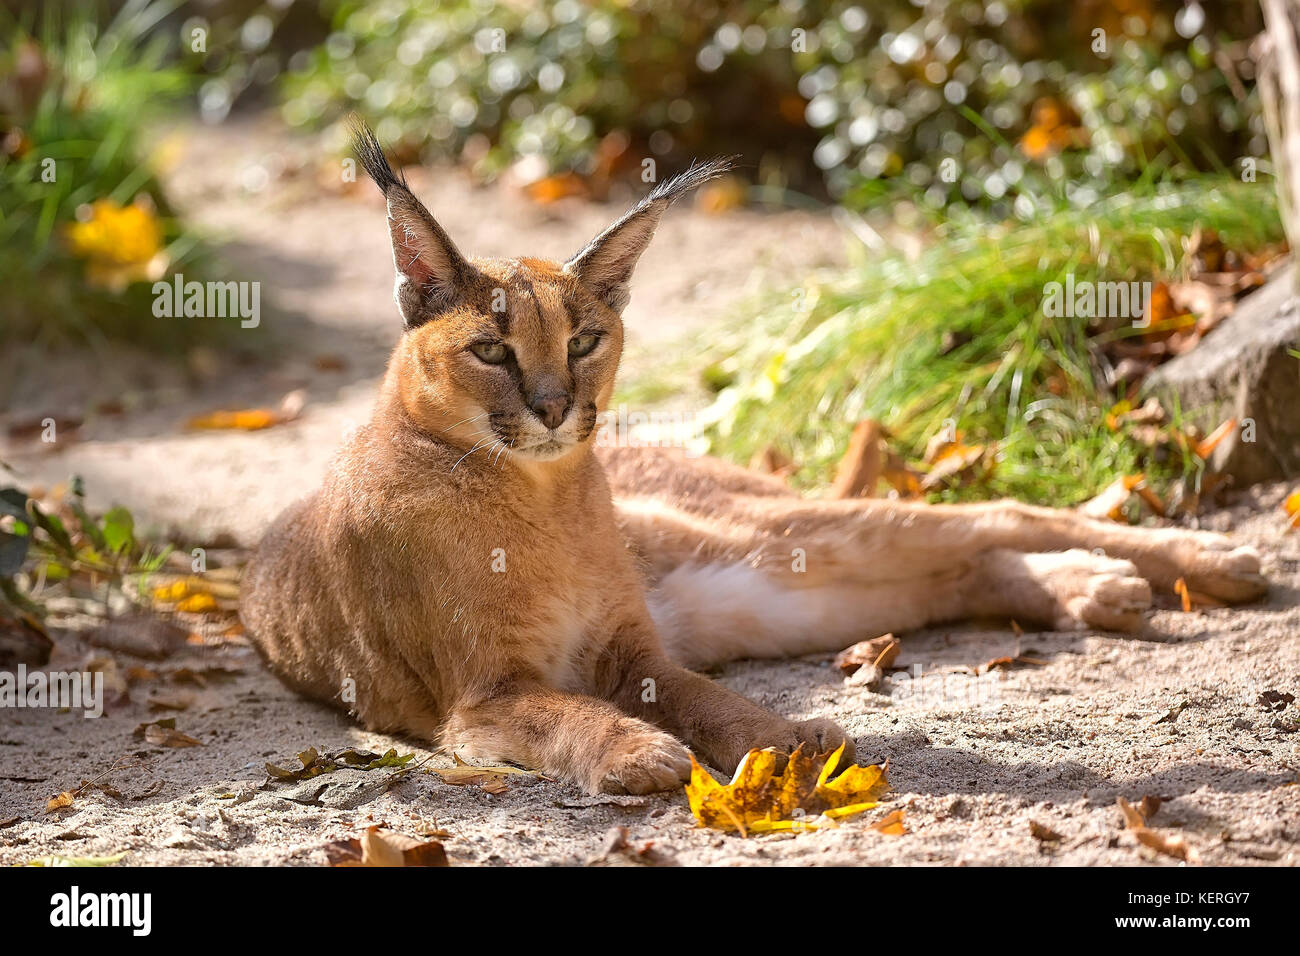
point(514, 356)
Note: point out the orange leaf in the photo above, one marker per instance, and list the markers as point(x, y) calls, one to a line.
point(1206, 447)
point(1292, 508)
point(891, 824)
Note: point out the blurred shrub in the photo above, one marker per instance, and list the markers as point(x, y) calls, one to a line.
point(84, 227)
point(1031, 103)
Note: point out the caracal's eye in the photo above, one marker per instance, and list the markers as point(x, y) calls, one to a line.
point(580, 345)
point(494, 353)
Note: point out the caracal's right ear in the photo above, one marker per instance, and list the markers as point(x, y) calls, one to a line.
point(431, 272)
point(605, 264)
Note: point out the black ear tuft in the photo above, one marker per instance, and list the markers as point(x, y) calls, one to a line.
point(697, 174)
point(371, 154)
point(605, 264)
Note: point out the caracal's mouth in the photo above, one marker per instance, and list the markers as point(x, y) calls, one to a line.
point(546, 449)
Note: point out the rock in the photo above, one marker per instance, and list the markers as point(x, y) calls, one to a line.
point(1245, 369)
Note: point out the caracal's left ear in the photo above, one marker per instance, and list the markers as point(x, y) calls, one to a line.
point(605, 264)
point(431, 272)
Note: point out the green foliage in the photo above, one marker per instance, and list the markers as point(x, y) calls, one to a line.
point(960, 334)
point(72, 98)
point(57, 547)
point(871, 96)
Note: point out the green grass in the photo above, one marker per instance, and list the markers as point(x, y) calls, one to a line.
point(871, 344)
point(97, 78)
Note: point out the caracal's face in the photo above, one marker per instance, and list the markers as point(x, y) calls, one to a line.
point(521, 364)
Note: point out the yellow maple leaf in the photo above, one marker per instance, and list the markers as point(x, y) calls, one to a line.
point(759, 800)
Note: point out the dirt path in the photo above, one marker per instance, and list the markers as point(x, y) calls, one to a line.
point(1174, 712)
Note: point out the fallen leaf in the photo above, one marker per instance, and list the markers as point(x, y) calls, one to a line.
point(252, 419)
point(77, 860)
point(1149, 806)
point(770, 460)
point(891, 824)
point(491, 779)
point(60, 802)
point(381, 847)
point(1170, 844)
point(1044, 833)
point(161, 701)
point(860, 469)
point(759, 800)
point(1111, 501)
point(879, 651)
point(1206, 447)
point(163, 733)
point(314, 763)
point(1292, 508)
point(1008, 662)
point(1172, 713)
point(1275, 701)
point(197, 595)
point(1193, 599)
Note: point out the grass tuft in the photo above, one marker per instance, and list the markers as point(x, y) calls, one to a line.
point(960, 334)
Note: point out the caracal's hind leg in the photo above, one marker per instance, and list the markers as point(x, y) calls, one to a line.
point(741, 567)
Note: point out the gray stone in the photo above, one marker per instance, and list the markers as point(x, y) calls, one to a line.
point(1245, 369)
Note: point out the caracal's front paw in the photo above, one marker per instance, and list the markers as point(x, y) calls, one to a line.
point(816, 736)
point(1214, 565)
point(642, 762)
point(824, 736)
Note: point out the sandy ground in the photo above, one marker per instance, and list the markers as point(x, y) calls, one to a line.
point(974, 757)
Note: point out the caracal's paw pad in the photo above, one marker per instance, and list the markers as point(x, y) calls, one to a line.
point(1216, 566)
point(1096, 591)
point(644, 762)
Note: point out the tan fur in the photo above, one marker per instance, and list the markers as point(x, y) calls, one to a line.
point(384, 591)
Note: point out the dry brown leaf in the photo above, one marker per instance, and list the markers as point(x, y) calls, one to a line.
point(880, 652)
point(770, 460)
point(168, 737)
point(1170, 844)
point(60, 802)
point(1044, 833)
point(903, 479)
point(381, 847)
point(492, 779)
point(1008, 662)
point(957, 459)
point(860, 469)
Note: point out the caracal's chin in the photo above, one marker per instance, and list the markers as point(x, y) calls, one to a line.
point(547, 449)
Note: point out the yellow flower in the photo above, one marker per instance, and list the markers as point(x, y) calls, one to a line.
point(121, 244)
